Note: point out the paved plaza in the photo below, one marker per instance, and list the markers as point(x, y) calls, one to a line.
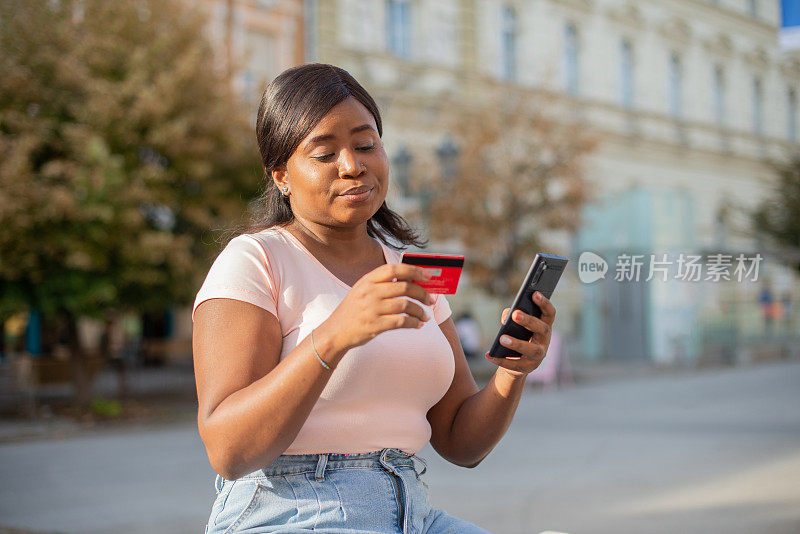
point(711, 451)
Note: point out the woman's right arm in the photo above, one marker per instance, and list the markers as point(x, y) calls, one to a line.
point(252, 404)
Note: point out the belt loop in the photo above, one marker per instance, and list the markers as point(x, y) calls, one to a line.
point(424, 464)
point(321, 462)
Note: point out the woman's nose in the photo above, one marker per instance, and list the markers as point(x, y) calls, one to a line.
point(349, 164)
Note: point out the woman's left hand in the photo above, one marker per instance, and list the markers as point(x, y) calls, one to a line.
point(532, 350)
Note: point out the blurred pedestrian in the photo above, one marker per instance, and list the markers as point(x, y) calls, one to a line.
point(547, 374)
point(469, 332)
point(765, 298)
point(321, 367)
point(2, 341)
point(786, 300)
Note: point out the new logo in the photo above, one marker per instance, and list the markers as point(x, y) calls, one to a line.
point(591, 267)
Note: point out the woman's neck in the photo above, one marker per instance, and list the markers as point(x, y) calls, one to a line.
point(341, 243)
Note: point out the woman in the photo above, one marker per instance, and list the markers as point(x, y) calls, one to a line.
point(321, 367)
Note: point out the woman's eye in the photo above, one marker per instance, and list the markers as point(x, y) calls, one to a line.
point(327, 157)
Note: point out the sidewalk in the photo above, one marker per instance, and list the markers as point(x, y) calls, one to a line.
point(714, 451)
point(165, 395)
point(588, 372)
point(157, 396)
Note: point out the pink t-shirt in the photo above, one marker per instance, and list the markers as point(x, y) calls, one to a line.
point(379, 394)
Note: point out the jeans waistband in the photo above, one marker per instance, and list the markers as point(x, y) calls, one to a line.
point(292, 464)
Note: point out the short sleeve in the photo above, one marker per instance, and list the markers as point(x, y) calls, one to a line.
point(242, 271)
point(441, 309)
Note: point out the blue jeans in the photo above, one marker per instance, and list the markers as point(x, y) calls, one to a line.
point(372, 492)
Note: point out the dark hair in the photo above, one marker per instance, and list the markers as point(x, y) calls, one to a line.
point(295, 101)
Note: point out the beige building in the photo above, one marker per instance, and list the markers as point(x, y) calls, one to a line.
point(261, 37)
point(693, 99)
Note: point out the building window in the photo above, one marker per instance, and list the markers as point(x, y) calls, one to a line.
point(248, 87)
point(442, 44)
point(398, 30)
point(675, 83)
point(310, 29)
point(626, 75)
point(792, 115)
point(758, 98)
point(509, 43)
point(752, 8)
point(719, 96)
point(401, 169)
point(570, 66)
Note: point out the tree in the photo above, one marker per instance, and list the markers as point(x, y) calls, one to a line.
point(519, 172)
point(121, 145)
point(779, 216)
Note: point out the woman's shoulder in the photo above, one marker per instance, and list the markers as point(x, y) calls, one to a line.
point(269, 239)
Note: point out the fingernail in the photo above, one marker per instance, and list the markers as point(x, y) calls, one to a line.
point(431, 300)
point(505, 340)
point(426, 316)
point(538, 295)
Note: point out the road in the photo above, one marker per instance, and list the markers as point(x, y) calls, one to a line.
point(715, 451)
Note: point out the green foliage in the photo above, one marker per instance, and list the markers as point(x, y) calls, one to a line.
point(779, 216)
point(121, 146)
point(106, 407)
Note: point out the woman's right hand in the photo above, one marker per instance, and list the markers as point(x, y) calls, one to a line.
point(375, 304)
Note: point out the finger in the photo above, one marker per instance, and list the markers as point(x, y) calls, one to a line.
point(534, 324)
point(504, 315)
point(404, 288)
point(548, 310)
point(403, 305)
point(397, 271)
point(514, 364)
point(392, 322)
point(526, 348)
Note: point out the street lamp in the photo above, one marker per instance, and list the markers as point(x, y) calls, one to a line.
point(401, 163)
point(448, 156)
point(447, 153)
point(425, 196)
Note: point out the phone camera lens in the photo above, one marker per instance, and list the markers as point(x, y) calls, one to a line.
point(537, 276)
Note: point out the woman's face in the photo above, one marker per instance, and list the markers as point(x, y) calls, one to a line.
point(341, 153)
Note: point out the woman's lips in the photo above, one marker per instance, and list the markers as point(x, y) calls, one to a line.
point(358, 197)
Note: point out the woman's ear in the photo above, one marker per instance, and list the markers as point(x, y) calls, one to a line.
point(280, 178)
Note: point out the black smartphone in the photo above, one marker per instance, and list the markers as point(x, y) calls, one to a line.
point(543, 275)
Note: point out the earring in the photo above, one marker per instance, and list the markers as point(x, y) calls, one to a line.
point(285, 189)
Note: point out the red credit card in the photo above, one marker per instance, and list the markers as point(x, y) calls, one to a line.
point(445, 268)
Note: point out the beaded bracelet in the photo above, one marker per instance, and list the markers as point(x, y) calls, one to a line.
point(325, 365)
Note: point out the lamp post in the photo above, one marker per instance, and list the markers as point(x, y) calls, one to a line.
point(448, 156)
point(425, 196)
point(401, 163)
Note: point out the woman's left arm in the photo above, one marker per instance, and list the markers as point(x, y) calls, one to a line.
point(467, 423)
